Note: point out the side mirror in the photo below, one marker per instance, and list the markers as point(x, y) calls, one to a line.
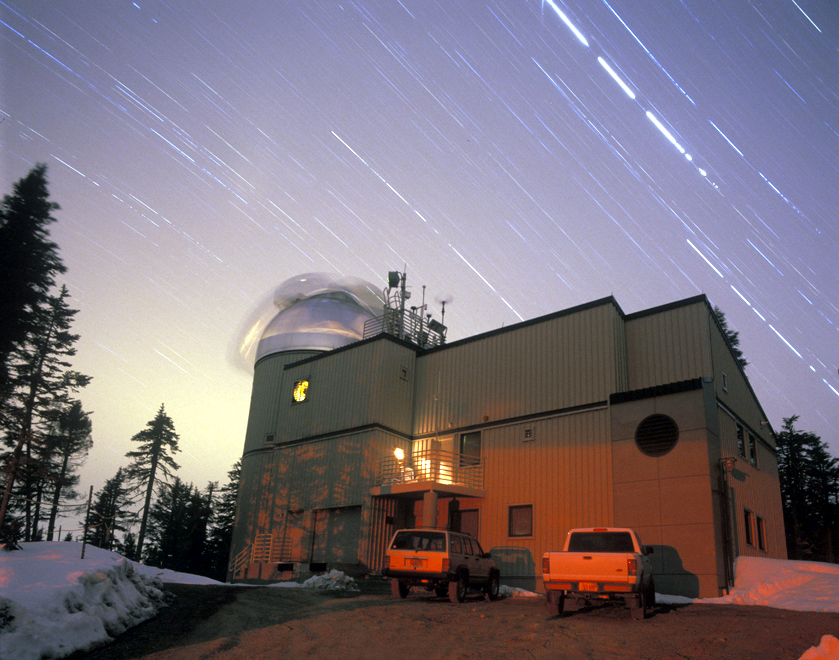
point(648, 549)
point(487, 555)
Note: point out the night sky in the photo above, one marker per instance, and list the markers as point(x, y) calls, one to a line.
point(520, 157)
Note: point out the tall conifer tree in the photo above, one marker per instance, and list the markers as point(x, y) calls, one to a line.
point(29, 260)
point(40, 381)
point(152, 462)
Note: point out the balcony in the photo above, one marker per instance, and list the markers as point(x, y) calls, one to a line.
point(407, 325)
point(446, 473)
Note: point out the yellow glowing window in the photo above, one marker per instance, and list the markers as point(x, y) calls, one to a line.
point(301, 387)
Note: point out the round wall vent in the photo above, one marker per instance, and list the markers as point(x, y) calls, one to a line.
point(656, 435)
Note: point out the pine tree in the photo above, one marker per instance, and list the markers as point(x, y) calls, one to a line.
point(221, 530)
point(809, 479)
point(177, 529)
point(109, 513)
point(733, 338)
point(29, 261)
point(41, 381)
point(68, 446)
point(152, 463)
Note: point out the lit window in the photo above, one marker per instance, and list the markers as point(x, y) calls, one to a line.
point(521, 520)
point(761, 533)
point(749, 522)
point(301, 389)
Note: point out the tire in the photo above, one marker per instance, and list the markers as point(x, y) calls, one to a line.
point(399, 589)
point(639, 606)
point(457, 589)
point(493, 586)
point(651, 595)
point(555, 602)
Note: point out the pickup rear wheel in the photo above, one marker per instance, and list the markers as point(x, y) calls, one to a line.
point(399, 589)
point(639, 606)
point(555, 601)
point(457, 589)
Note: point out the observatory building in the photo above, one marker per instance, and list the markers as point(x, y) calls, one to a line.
point(365, 420)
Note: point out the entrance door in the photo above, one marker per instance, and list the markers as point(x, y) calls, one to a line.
point(336, 535)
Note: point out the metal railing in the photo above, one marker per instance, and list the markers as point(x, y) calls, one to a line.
point(432, 465)
point(266, 548)
point(408, 325)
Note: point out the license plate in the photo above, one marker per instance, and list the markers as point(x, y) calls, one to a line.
point(415, 562)
point(588, 586)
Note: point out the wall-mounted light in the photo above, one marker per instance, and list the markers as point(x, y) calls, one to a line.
point(400, 455)
point(727, 464)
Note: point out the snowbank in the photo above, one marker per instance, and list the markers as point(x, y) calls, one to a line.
point(804, 586)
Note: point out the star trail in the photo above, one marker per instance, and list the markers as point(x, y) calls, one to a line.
point(518, 157)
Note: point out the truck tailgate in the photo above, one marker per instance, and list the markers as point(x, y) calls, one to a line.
point(590, 567)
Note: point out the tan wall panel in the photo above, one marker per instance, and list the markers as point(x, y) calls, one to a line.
point(342, 394)
point(563, 472)
point(669, 346)
point(756, 489)
point(566, 361)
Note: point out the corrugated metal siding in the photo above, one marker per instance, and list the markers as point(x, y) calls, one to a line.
point(354, 387)
point(271, 393)
point(756, 489)
point(736, 394)
point(287, 480)
point(337, 533)
point(565, 472)
point(563, 362)
point(670, 346)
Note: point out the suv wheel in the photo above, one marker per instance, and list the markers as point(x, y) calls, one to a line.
point(457, 589)
point(399, 589)
point(493, 586)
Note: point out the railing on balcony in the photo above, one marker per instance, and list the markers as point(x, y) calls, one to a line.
point(434, 465)
point(407, 325)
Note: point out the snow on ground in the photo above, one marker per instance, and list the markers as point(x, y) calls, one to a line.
point(53, 603)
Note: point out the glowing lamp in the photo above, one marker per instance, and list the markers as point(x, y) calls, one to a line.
point(399, 454)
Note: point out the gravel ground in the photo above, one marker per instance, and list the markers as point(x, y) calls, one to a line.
point(251, 623)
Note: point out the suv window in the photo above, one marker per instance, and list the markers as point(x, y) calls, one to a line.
point(457, 546)
point(419, 541)
point(467, 546)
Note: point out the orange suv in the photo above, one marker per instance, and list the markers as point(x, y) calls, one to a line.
point(440, 561)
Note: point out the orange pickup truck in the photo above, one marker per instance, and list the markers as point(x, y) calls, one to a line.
point(604, 563)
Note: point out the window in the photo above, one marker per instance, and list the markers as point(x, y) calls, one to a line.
point(269, 439)
point(470, 449)
point(457, 545)
point(749, 522)
point(741, 441)
point(521, 520)
point(300, 391)
point(752, 450)
point(761, 533)
point(724, 382)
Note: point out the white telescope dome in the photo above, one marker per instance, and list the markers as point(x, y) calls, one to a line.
point(317, 313)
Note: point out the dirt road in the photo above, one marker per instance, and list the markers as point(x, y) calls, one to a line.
point(252, 623)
